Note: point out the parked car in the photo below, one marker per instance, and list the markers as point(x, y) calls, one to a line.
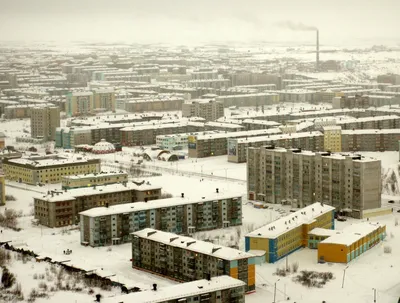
point(341, 219)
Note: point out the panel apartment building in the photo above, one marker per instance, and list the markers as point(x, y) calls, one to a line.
point(347, 182)
point(47, 169)
point(222, 289)
point(62, 208)
point(44, 121)
point(113, 225)
point(209, 110)
point(187, 259)
point(88, 180)
point(237, 148)
point(208, 145)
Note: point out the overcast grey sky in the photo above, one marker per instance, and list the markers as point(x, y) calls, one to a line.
point(187, 21)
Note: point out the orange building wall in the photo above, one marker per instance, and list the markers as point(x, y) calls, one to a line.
point(336, 253)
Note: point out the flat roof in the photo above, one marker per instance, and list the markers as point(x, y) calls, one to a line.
point(73, 193)
point(49, 160)
point(353, 233)
point(367, 119)
point(278, 227)
point(323, 232)
point(191, 244)
point(159, 203)
point(370, 131)
point(179, 291)
point(96, 175)
point(248, 133)
point(261, 122)
point(277, 137)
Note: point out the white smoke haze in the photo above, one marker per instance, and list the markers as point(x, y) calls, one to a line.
point(296, 26)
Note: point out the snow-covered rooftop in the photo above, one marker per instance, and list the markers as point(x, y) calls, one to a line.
point(176, 292)
point(248, 133)
point(305, 215)
point(353, 233)
point(278, 137)
point(191, 244)
point(160, 203)
point(73, 193)
point(97, 175)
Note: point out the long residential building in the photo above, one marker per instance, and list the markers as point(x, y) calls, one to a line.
point(208, 109)
point(187, 259)
point(62, 208)
point(376, 122)
point(146, 135)
point(258, 99)
point(237, 148)
point(347, 182)
point(201, 146)
point(112, 225)
point(222, 289)
point(289, 233)
point(370, 140)
point(47, 169)
point(87, 180)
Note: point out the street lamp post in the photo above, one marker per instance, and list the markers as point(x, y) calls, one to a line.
point(374, 289)
point(344, 275)
point(275, 290)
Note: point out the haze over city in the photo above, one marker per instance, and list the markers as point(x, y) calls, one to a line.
point(180, 21)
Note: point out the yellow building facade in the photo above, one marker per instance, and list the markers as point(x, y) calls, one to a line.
point(333, 138)
point(32, 171)
point(345, 246)
point(287, 234)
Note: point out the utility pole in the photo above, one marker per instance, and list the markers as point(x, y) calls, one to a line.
point(374, 289)
point(344, 275)
point(275, 290)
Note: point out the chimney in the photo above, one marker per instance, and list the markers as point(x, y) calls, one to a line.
point(217, 190)
point(317, 62)
point(208, 277)
point(107, 204)
point(182, 195)
point(155, 287)
point(146, 199)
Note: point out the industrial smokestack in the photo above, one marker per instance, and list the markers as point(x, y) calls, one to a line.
point(317, 62)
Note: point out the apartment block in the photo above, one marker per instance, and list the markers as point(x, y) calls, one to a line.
point(187, 259)
point(21, 111)
point(332, 138)
point(209, 110)
point(178, 141)
point(290, 233)
point(146, 135)
point(104, 99)
point(155, 103)
point(208, 145)
point(44, 121)
point(88, 180)
point(47, 169)
point(350, 183)
point(210, 83)
point(79, 103)
point(2, 140)
point(348, 244)
point(237, 148)
point(350, 102)
point(222, 289)
point(256, 99)
point(112, 225)
point(253, 124)
point(2, 189)
point(62, 208)
point(374, 122)
point(370, 140)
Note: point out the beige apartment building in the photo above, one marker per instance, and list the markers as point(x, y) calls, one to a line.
point(79, 103)
point(87, 180)
point(104, 99)
point(47, 169)
point(350, 183)
point(62, 208)
point(208, 109)
point(333, 138)
point(2, 189)
point(44, 121)
point(237, 148)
